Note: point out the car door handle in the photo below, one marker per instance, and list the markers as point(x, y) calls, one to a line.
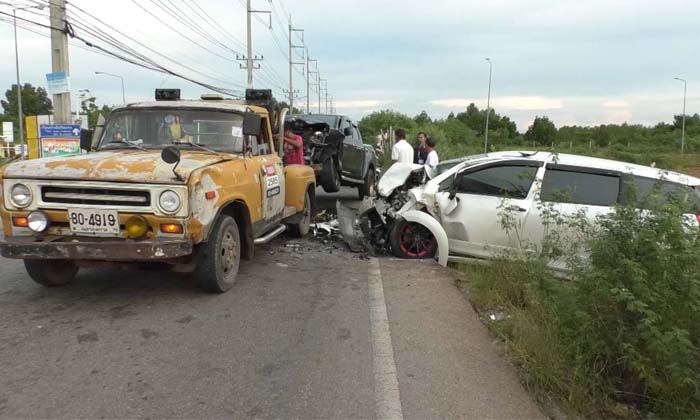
point(517, 208)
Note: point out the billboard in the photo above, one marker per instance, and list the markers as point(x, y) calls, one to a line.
point(58, 83)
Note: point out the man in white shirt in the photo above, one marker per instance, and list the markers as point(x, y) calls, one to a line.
point(432, 160)
point(402, 151)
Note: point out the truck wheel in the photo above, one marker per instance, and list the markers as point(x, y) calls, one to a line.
point(219, 257)
point(368, 188)
point(301, 228)
point(330, 180)
point(412, 241)
point(51, 273)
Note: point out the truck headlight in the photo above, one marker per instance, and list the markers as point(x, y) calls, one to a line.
point(169, 201)
point(38, 221)
point(20, 195)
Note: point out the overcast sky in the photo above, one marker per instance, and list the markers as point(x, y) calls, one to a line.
point(578, 62)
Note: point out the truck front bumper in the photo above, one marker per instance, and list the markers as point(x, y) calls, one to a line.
point(62, 248)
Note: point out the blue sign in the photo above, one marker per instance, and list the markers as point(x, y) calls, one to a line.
point(61, 131)
point(58, 83)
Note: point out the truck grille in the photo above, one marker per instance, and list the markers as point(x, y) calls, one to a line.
point(95, 196)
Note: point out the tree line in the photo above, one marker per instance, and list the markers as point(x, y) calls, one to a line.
point(463, 134)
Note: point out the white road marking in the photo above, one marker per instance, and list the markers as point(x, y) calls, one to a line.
point(387, 399)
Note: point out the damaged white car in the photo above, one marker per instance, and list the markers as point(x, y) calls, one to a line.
point(456, 209)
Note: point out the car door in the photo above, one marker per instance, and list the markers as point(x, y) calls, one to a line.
point(271, 173)
point(349, 154)
point(567, 196)
point(483, 208)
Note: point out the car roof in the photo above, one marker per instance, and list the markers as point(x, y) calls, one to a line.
point(214, 105)
point(596, 163)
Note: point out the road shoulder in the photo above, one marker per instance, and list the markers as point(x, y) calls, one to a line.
point(443, 352)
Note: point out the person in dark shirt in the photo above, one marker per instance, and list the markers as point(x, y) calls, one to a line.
point(420, 153)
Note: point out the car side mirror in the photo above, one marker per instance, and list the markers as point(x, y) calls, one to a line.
point(170, 155)
point(85, 140)
point(251, 124)
point(347, 131)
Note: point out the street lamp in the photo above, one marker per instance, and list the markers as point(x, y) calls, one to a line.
point(685, 85)
point(488, 110)
point(82, 93)
point(20, 114)
point(121, 78)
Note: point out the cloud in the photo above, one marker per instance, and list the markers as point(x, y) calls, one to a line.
point(615, 103)
point(365, 103)
point(521, 103)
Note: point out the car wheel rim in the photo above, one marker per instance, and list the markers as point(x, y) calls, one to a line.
point(228, 253)
point(416, 241)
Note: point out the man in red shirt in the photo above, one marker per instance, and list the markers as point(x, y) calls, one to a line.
point(293, 148)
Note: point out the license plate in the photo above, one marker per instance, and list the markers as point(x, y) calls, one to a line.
point(94, 222)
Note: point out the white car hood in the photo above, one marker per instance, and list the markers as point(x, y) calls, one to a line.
point(395, 177)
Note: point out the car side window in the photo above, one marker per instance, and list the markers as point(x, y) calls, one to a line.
point(649, 193)
point(510, 181)
point(356, 137)
point(569, 186)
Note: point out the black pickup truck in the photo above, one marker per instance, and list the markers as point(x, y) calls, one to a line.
point(333, 147)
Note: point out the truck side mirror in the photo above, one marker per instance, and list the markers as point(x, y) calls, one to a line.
point(251, 124)
point(85, 140)
point(347, 131)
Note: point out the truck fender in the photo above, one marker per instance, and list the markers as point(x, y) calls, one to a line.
point(435, 228)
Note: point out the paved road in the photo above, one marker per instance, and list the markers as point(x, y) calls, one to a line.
point(308, 331)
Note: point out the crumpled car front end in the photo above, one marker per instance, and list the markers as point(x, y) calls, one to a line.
point(402, 218)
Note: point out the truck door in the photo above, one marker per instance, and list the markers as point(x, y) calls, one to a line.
point(351, 154)
point(271, 173)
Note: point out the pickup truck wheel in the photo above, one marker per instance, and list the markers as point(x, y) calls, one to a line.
point(330, 180)
point(219, 258)
point(368, 188)
point(51, 273)
point(412, 241)
point(301, 228)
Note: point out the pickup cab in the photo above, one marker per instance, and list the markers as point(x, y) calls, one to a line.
point(192, 184)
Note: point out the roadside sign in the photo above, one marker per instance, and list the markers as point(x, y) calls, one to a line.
point(8, 132)
point(58, 83)
point(59, 139)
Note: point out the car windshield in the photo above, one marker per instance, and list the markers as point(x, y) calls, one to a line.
point(157, 128)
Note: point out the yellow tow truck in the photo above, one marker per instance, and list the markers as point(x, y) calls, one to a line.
point(194, 184)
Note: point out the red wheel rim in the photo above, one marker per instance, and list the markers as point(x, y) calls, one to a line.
point(416, 241)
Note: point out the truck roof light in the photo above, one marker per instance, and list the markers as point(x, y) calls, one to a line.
point(167, 94)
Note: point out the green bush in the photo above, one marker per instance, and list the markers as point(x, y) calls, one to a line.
point(624, 329)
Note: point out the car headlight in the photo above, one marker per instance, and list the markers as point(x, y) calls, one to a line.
point(169, 201)
point(20, 195)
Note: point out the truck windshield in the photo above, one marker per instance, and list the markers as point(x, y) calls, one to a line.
point(219, 131)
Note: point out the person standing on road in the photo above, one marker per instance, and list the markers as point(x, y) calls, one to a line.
point(293, 148)
point(432, 159)
point(420, 153)
point(402, 151)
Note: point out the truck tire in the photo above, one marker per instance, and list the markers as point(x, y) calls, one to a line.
point(218, 259)
point(412, 241)
point(301, 228)
point(368, 188)
point(330, 179)
point(51, 273)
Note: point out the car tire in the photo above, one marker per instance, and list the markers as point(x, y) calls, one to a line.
point(51, 273)
point(301, 228)
point(330, 179)
point(411, 240)
point(218, 259)
point(368, 189)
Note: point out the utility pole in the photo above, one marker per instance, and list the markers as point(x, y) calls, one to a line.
point(59, 59)
point(292, 62)
point(250, 59)
point(488, 111)
point(308, 81)
point(325, 89)
point(318, 88)
point(332, 108)
point(685, 86)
